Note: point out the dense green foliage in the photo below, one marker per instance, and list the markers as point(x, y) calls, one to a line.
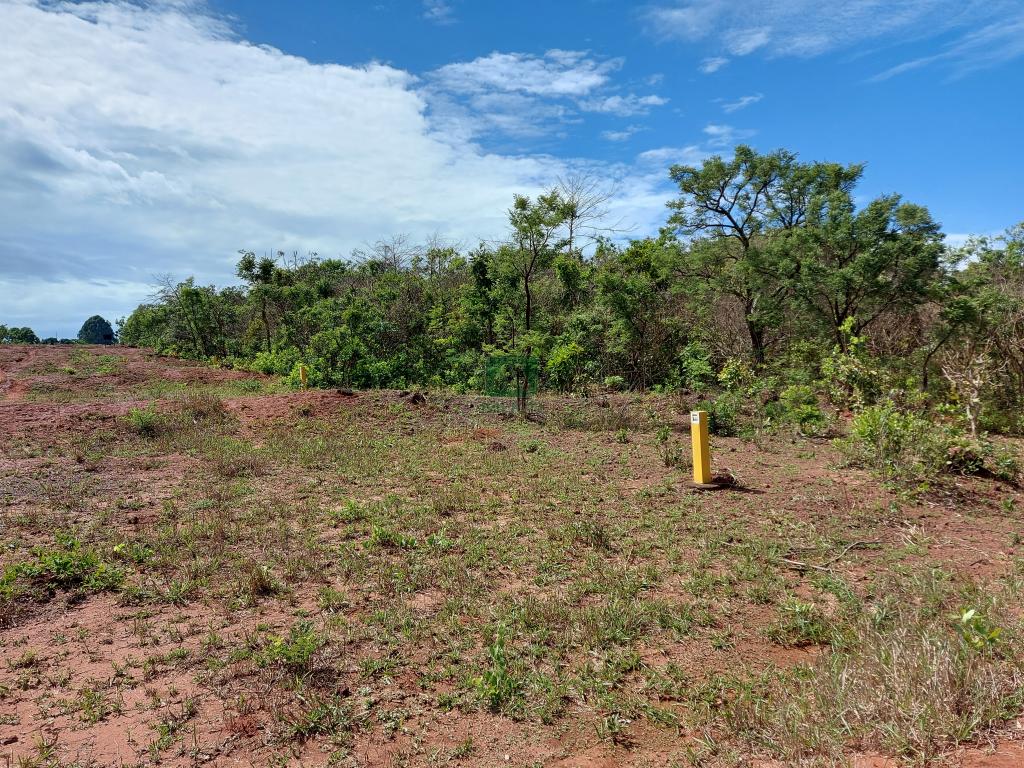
point(96, 330)
point(767, 276)
point(17, 335)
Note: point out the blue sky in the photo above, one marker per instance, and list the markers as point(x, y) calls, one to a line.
point(142, 139)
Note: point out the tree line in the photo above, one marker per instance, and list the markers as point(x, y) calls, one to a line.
point(95, 330)
point(765, 265)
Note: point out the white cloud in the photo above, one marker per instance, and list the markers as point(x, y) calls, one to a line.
point(556, 73)
point(713, 64)
point(663, 157)
point(742, 42)
point(523, 95)
point(438, 11)
point(988, 31)
point(624, 106)
point(742, 102)
point(622, 135)
point(142, 139)
point(987, 47)
point(725, 135)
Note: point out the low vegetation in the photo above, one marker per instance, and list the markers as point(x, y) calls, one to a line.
point(471, 540)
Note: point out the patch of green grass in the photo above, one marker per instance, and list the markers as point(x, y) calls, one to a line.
point(69, 565)
point(296, 652)
point(388, 538)
point(497, 686)
point(318, 715)
point(145, 422)
point(902, 678)
point(800, 623)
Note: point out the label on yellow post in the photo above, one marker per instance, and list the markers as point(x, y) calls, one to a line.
point(701, 447)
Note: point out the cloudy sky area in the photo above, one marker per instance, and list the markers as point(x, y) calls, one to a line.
point(139, 139)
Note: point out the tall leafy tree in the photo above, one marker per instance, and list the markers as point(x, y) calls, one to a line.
point(259, 274)
point(634, 286)
point(533, 244)
point(991, 284)
point(739, 206)
point(15, 335)
point(96, 330)
point(853, 266)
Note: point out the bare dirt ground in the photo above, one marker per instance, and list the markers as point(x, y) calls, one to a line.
point(205, 568)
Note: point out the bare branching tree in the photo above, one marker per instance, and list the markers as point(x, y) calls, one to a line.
point(397, 252)
point(969, 370)
point(587, 208)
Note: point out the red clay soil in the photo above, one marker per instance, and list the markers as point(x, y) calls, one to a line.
point(56, 653)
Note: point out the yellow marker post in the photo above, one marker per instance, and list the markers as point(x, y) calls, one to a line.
point(302, 374)
point(701, 447)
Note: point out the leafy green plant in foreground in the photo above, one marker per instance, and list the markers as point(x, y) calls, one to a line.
point(497, 686)
point(69, 565)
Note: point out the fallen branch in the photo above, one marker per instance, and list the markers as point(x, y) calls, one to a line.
point(826, 566)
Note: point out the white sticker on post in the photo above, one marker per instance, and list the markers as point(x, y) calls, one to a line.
point(695, 417)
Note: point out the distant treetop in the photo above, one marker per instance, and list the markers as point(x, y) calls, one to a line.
point(96, 330)
point(14, 335)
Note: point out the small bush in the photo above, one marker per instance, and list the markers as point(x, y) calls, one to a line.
point(800, 623)
point(671, 452)
point(391, 539)
point(798, 405)
point(320, 716)
point(723, 414)
point(296, 652)
point(616, 383)
point(850, 376)
point(904, 445)
point(201, 407)
point(68, 566)
point(280, 362)
point(694, 369)
point(257, 581)
point(144, 421)
point(497, 686)
point(566, 366)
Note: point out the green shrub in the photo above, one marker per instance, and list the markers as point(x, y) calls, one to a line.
point(391, 539)
point(566, 366)
point(798, 405)
point(618, 383)
point(497, 686)
point(296, 652)
point(723, 413)
point(800, 623)
point(69, 565)
point(849, 376)
point(903, 444)
point(279, 362)
point(144, 421)
point(898, 443)
point(671, 453)
point(736, 374)
point(694, 368)
point(1001, 462)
